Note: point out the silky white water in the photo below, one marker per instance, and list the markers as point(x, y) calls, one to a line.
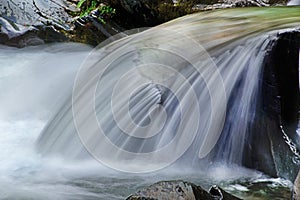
point(26, 175)
point(32, 81)
point(39, 145)
point(173, 94)
point(27, 101)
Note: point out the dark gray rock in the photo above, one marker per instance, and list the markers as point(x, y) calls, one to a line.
point(24, 23)
point(180, 190)
point(17, 35)
point(37, 12)
point(277, 107)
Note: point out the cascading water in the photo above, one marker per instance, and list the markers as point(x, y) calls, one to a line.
point(153, 88)
point(148, 92)
point(186, 94)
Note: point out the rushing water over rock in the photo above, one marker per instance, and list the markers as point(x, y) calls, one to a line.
point(160, 98)
point(168, 80)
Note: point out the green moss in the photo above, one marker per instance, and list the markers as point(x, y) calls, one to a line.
point(87, 6)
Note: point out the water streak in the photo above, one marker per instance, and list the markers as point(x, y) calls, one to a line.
point(145, 84)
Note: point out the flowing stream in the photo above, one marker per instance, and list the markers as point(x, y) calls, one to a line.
point(185, 90)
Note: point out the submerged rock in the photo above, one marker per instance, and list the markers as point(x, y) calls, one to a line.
point(180, 190)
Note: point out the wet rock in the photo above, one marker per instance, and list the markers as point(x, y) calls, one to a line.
point(218, 193)
point(296, 189)
point(180, 190)
point(278, 106)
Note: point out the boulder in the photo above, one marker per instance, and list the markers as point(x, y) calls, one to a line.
point(180, 190)
point(276, 117)
point(24, 23)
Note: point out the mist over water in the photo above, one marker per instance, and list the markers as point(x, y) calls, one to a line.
point(33, 81)
point(42, 157)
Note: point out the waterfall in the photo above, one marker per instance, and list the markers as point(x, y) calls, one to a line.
point(185, 91)
point(155, 109)
point(187, 94)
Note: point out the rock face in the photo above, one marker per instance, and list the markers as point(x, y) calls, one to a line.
point(34, 22)
point(180, 190)
point(278, 106)
point(25, 23)
point(35, 12)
